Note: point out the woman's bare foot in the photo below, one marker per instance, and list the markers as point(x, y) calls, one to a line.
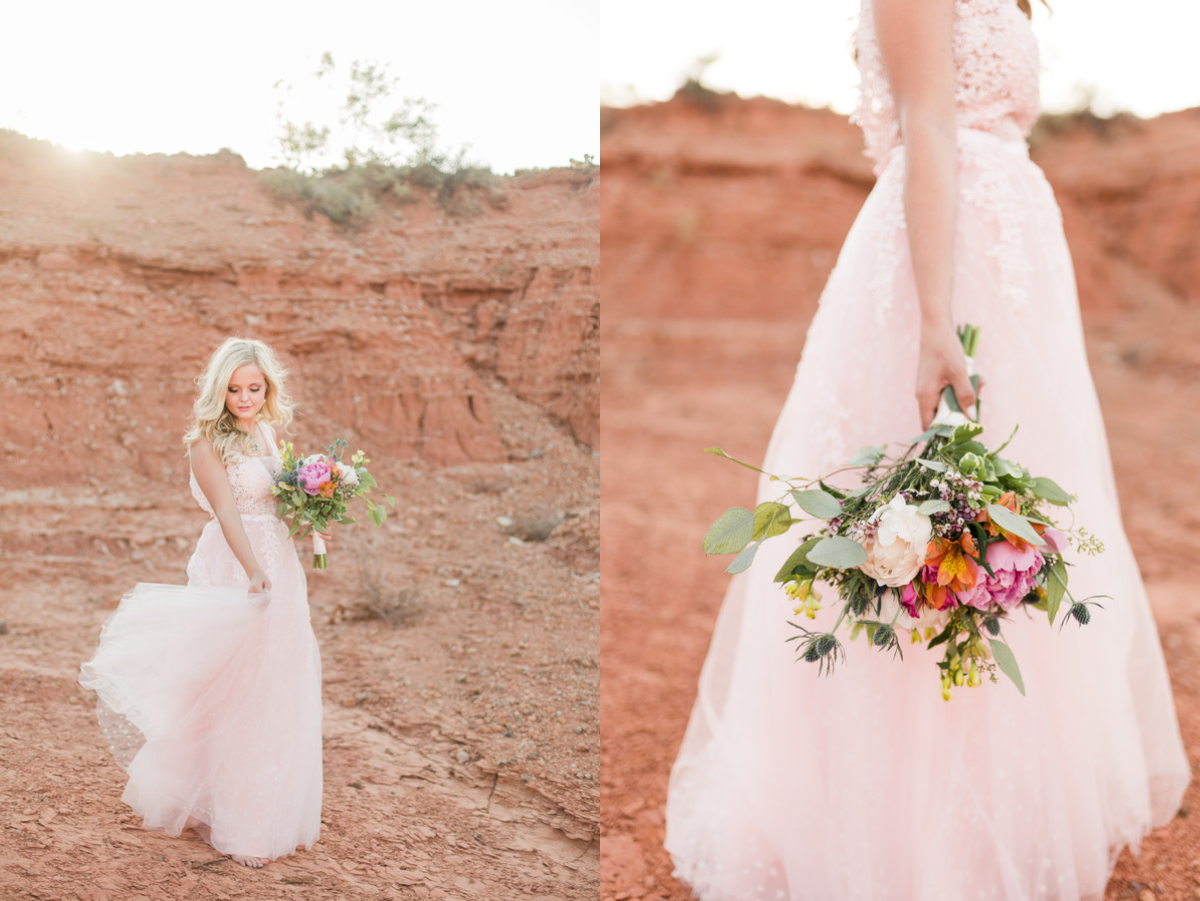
point(245, 861)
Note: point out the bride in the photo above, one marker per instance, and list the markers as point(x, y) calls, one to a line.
point(209, 695)
point(865, 785)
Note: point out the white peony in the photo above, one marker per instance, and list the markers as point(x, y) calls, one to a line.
point(898, 552)
point(349, 475)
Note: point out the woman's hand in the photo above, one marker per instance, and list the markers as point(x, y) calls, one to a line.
point(326, 536)
point(941, 363)
point(259, 583)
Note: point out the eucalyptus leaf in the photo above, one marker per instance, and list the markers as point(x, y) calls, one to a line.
point(1056, 587)
point(838, 552)
point(771, 519)
point(934, 505)
point(868, 456)
point(1007, 661)
point(797, 561)
point(818, 503)
point(935, 465)
point(1049, 490)
point(731, 532)
point(924, 436)
point(1015, 523)
point(742, 561)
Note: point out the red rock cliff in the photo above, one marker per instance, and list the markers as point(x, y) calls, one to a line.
point(119, 276)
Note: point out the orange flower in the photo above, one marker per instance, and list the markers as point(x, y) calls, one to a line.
point(955, 562)
point(1009, 500)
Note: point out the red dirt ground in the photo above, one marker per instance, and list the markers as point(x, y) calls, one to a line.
point(461, 675)
point(720, 222)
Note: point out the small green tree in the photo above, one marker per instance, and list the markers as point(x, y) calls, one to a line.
point(366, 132)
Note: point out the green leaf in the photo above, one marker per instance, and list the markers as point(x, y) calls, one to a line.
point(742, 561)
point(797, 561)
point(1056, 587)
point(838, 552)
point(818, 503)
point(366, 480)
point(391, 500)
point(965, 432)
point(1048, 490)
point(935, 465)
point(294, 527)
point(868, 455)
point(770, 519)
point(376, 515)
point(1005, 468)
point(1015, 523)
point(731, 532)
point(934, 505)
point(1007, 663)
point(924, 436)
point(720, 453)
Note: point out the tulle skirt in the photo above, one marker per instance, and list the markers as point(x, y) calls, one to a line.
point(210, 699)
point(866, 785)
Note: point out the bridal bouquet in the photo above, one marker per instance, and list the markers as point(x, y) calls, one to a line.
point(944, 541)
point(315, 490)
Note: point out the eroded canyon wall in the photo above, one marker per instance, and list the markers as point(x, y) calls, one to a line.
point(119, 276)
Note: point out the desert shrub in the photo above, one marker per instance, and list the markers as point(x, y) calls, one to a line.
point(382, 155)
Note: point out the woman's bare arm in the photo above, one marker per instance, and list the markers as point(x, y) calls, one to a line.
point(214, 482)
point(916, 44)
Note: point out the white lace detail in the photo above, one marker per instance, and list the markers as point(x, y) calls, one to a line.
point(996, 69)
point(890, 249)
point(993, 193)
point(250, 480)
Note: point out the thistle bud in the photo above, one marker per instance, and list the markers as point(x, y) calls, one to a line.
point(1081, 613)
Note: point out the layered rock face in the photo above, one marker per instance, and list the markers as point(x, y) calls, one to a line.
point(727, 207)
point(120, 276)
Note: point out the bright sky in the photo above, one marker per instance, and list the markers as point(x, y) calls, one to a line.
point(1132, 56)
point(517, 81)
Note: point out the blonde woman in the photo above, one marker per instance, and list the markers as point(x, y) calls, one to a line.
point(209, 694)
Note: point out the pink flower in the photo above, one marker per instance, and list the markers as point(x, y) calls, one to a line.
point(1056, 541)
point(313, 474)
point(1014, 578)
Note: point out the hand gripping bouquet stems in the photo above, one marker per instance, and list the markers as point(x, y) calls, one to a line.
point(944, 541)
point(315, 490)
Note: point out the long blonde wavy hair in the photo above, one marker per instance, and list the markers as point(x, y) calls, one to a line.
point(211, 418)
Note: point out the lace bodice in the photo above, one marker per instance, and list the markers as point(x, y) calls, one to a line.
point(996, 75)
point(251, 479)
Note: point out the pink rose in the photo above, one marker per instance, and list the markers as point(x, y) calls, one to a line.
point(314, 472)
point(1014, 578)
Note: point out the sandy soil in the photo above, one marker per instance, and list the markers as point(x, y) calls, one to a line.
point(700, 344)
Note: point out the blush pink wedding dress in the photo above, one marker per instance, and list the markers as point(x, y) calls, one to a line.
point(866, 785)
point(210, 697)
